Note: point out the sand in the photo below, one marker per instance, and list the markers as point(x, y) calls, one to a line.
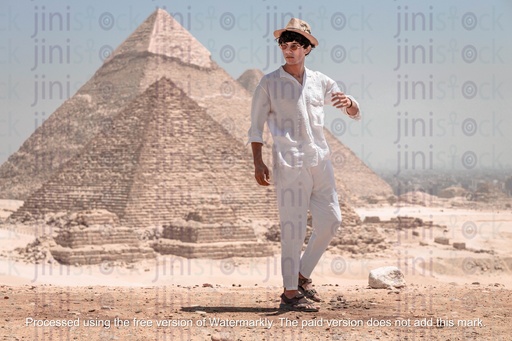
point(450, 294)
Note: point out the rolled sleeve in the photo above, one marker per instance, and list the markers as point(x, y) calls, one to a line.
point(260, 109)
point(357, 116)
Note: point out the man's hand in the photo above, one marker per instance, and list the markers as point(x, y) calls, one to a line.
point(261, 172)
point(340, 100)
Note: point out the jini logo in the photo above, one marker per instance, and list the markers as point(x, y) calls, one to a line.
point(51, 21)
point(413, 89)
point(413, 21)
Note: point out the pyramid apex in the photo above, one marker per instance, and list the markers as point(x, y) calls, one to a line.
point(160, 11)
point(161, 34)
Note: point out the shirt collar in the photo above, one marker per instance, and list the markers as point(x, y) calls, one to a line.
point(284, 74)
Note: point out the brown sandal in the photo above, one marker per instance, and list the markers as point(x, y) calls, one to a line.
point(297, 303)
point(312, 294)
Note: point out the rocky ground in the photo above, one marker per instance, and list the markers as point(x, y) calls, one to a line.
point(444, 311)
point(451, 293)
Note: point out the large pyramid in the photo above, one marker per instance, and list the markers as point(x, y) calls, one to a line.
point(159, 47)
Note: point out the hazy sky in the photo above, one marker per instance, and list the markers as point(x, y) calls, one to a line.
point(433, 77)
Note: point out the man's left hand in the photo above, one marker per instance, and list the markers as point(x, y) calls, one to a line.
point(340, 100)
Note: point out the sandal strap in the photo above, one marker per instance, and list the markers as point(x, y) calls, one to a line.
point(303, 281)
point(293, 300)
point(297, 303)
point(310, 292)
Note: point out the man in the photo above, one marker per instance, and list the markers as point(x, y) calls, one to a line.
point(290, 100)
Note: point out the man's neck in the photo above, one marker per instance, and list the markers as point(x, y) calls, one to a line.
point(296, 70)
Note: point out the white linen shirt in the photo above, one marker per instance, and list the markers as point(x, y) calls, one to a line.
point(295, 116)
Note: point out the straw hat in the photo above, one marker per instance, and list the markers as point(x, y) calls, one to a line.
point(299, 26)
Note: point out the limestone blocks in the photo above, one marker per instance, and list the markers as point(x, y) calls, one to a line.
point(93, 237)
point(195, 239)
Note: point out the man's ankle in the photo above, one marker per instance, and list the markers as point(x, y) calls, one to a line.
point(291, 293)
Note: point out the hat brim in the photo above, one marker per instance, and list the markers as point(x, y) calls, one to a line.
point(277, 34)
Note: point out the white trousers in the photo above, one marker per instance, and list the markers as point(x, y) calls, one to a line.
point(299, 190)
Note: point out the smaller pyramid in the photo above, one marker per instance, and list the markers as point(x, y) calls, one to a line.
point(250, 79)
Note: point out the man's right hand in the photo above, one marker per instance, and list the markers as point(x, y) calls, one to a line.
point(262, 174)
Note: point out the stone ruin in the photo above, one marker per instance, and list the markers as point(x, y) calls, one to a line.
point(94, 237)
point(402, 222)
point(200, 237)
point(192, 239)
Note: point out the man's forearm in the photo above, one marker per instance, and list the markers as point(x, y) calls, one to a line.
point(257, 152)
point(353, 110)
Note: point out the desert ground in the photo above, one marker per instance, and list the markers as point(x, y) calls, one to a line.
point(451, 294)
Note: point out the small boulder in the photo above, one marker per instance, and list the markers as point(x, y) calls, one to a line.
point(371, 220)
point(387, 277)
point(459, 246)
point(442, 240)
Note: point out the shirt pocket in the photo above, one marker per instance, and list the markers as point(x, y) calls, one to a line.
point(316, 106)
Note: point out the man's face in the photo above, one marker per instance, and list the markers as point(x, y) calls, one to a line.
point(294, 53)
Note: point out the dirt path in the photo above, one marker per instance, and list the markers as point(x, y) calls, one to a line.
point(468, 312)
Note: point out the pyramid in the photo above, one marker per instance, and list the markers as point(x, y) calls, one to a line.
point(162, 158)
point(250, 79)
